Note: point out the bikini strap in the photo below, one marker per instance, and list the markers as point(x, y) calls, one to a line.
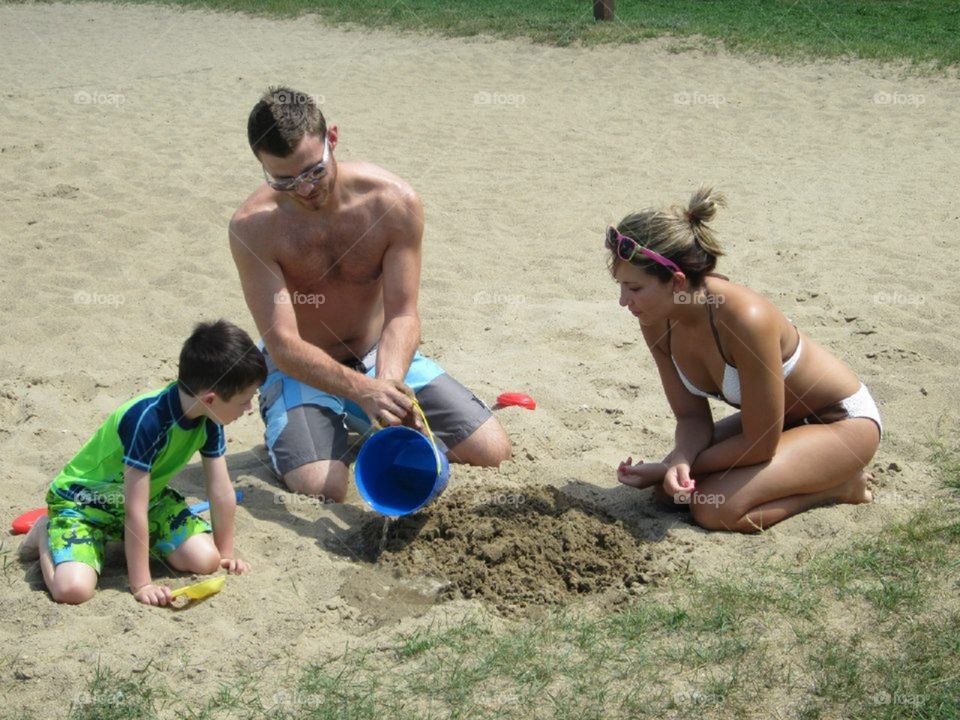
point(716, 334)
point(669, 349)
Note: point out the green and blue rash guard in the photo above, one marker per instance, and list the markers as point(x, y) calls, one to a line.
point(148, 432)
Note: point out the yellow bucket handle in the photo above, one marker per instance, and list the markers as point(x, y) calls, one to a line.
point(433, 441)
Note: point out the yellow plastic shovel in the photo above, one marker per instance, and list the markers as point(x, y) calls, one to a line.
point(199, 590)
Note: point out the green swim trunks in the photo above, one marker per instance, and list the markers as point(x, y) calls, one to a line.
point(79, 531)
point(85, 503)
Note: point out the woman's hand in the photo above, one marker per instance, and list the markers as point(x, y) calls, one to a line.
point(641, 474)
point(678, 484)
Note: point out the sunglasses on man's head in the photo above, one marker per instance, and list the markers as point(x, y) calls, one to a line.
point(311, 176)
point(628, 249)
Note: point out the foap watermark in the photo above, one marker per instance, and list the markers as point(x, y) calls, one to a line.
point(898, 298)
point(117, 697)
point(295, 499)
point(695, 697)
point(86, 496)
point(699, 98)
point(495, 98)
point(298, 699)
point(287, 97)
point(895, 98)
point(487, 298)
point(82, 97)
point(84, 297)
point(687, 498)
point(685, 298)
point(887, 698)
point(285, 297)
point(510, 499)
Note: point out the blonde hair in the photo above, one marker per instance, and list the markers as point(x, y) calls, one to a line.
point(679, 234)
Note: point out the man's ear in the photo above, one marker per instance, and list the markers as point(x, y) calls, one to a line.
point(333, 134)
point(208, 397)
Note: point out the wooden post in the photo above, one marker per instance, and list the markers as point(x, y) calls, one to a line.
point(604, 9)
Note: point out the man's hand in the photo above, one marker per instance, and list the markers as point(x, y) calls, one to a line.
point(386, 402)
point(234, 566)
point(151, 594)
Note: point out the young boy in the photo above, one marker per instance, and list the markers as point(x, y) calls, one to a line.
point(116, 486)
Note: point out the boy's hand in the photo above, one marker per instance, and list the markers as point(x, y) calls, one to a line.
point(151, 594)
point(234, 566)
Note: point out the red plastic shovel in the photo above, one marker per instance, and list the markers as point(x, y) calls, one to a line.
point(22, 524)
point(519, 399)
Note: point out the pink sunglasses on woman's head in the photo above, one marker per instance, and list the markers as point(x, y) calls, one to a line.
point(628, 248)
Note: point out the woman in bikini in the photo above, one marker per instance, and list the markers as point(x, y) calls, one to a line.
point(807, 427)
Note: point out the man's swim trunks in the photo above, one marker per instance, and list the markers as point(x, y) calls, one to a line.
point(304, 425)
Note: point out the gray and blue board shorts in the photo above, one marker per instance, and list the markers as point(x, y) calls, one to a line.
point(304, 424)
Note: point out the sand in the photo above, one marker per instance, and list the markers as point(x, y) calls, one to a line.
point(123, 154)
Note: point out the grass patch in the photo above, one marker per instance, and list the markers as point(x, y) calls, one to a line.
point(710, 648)
point(871, 631)
point(115, 696)
point(917, 31)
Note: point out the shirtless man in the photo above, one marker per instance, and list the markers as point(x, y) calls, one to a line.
point(329, 261)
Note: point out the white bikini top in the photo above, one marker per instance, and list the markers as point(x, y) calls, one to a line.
point(730, 390)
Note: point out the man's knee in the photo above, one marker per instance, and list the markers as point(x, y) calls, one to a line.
point(325, 479)
point(487, 446)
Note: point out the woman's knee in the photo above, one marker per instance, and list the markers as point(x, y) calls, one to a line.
point(712, 512)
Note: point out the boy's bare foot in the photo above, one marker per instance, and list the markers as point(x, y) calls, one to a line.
point(855, 490)
point(29, 549)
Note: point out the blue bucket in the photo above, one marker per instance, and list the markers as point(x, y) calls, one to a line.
point(399, 471)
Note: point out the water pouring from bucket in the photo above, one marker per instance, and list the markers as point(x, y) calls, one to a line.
point(399, 470)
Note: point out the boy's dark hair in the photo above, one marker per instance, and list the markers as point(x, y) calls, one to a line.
point(280, 119)
point(221, 357)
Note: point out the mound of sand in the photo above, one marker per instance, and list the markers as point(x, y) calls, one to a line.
point(512, 549)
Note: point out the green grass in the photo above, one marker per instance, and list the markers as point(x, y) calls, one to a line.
point(917, 31)
point(711, 648)
point(870, 630)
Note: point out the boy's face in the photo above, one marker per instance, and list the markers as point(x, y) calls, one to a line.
point(226, 411)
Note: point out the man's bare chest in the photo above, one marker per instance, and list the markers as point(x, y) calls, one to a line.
point(346, 253)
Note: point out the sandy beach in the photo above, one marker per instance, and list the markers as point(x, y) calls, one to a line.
point(123, 154)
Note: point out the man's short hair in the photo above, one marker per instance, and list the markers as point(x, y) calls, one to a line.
point(280, 119)
point(221, 357)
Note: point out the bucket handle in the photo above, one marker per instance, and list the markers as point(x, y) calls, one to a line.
point(433, 441)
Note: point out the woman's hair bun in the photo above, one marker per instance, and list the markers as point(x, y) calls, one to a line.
point(703, 205)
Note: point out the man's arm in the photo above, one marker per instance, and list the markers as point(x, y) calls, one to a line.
point(401, 287)
point(265, 291)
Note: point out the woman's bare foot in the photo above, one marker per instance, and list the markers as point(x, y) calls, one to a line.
point(29, 549)
point(855, 490)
